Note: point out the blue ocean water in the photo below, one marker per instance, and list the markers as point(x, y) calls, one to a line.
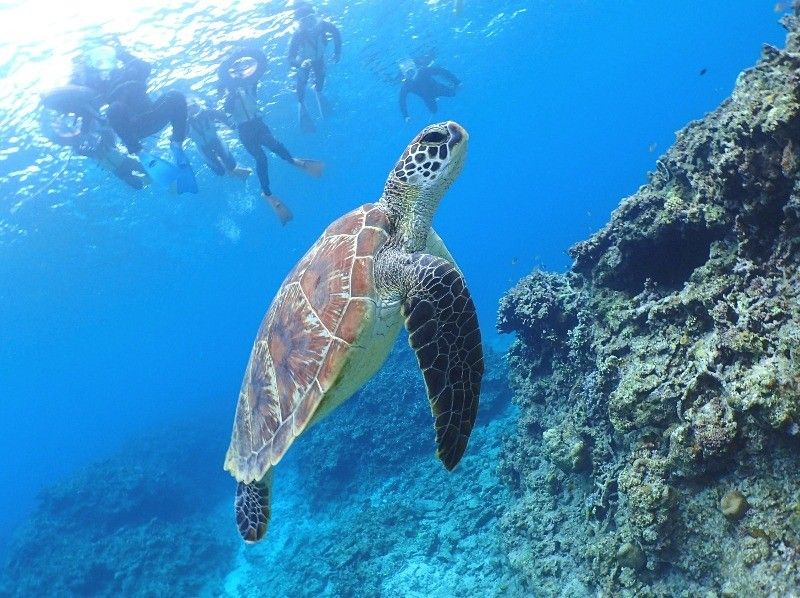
point(122, 310)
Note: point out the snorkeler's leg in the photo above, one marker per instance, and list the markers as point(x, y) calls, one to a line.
point(228, 161)
point(266, 138)
point(250, 136)
point(303, 117)
point(170, 108)
point(224, 153)
point(120, 119)
point(319, 84)
point(212, 158)
point(443, 90)
point(301, 83)
point(430, 103)
point(311, 167)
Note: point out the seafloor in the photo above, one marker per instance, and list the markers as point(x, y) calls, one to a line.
point(654, 449)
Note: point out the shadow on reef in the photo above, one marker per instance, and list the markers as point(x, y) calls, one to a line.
point(136, 523)
point(657, 451)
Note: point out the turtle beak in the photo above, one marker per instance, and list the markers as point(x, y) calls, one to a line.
point(457, 134)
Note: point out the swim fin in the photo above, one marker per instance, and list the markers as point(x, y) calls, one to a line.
point(185, 181)
point(310, 167)
point(324, 105)
point(281, 210)
point(306, 122)
point(160, 171)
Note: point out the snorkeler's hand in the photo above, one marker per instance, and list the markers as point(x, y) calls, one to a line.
point(306, 64)
point(336, 58)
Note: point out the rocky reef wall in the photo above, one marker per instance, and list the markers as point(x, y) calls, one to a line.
point(657, 452)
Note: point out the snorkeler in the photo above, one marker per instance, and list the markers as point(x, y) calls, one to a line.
point(239, 75)
point(307, 54)
point(428, 82)
point(67, 118)
point(120, 79)
point(203, 131)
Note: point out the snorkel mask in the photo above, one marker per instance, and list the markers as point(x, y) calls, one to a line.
point(408, 69)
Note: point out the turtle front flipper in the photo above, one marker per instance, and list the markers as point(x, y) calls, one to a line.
point(443, 330)
point(252, 507)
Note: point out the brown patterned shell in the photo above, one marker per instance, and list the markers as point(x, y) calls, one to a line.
point(322, 307)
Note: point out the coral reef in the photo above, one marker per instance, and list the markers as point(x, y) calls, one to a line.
point(361, 508)
point(136, 523)
point(659, 378)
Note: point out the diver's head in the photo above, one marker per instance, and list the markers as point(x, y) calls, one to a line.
point(408, 69)
point(103, 59)
point(304, 15)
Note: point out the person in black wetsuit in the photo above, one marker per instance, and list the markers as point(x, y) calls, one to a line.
point(307, 54)
point(203, 131)
point(122, 84)
point(428, 82)
point(239, 75)
point(89, 136)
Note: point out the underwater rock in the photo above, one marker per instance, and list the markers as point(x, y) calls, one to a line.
point(668, 357)
point(734, 505)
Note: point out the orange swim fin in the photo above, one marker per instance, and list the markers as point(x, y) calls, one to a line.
point(310, 167)
point(281, 210)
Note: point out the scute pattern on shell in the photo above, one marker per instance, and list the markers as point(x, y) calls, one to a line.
point(319, 311)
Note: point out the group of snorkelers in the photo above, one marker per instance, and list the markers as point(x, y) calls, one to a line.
point(107, 100)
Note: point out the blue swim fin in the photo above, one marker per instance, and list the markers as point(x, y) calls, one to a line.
point(185, 183)
point(160, 171)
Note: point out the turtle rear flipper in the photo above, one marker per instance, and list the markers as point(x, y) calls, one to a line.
point(443, 330)
point(253, 508)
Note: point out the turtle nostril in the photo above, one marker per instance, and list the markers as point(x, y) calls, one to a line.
point(455, 134)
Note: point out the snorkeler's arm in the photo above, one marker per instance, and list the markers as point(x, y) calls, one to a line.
point(329, 28)
point(294, 50)
point(437, 70)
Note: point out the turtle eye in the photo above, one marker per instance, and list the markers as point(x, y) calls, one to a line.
point(433, 137)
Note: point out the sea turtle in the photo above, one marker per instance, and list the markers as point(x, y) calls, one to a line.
point(337, 314)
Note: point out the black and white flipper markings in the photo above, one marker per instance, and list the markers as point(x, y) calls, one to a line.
point(443, 330)
point(252, 507)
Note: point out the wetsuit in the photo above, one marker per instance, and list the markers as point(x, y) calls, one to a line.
point(203, 131)
point(241, 104)
point(427, 85)
point(309, 44)
point(131, 112)
point(97, 142)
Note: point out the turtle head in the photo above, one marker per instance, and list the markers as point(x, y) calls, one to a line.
point(432, 160)
point(418, 181)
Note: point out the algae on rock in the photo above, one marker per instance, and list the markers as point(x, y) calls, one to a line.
point(663, 370)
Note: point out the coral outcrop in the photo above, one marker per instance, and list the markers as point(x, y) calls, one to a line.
point(137, 523)
point(659, 378)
